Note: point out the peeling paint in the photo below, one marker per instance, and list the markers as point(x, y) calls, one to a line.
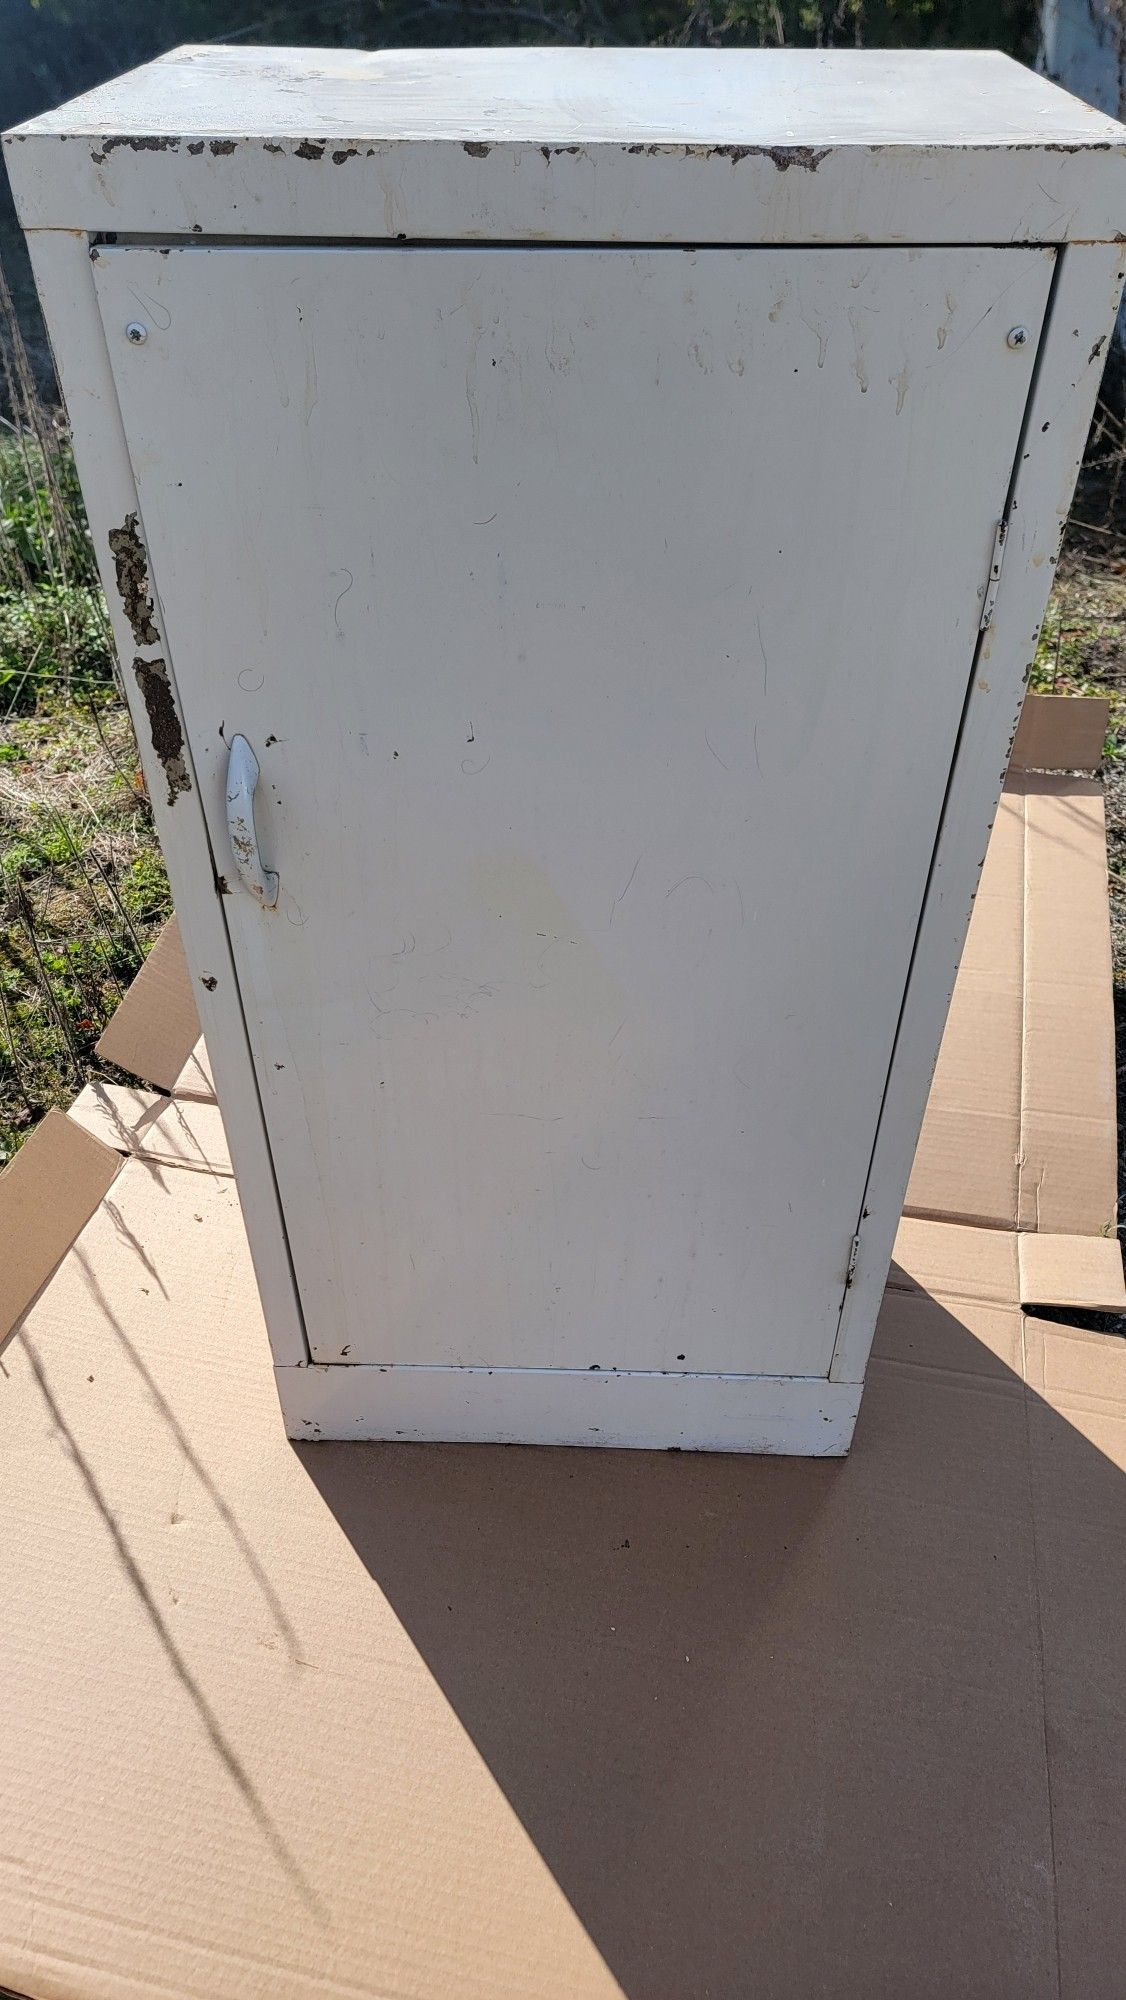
point(475, 149)
point(137, 143)
point(164, 723)
point(221, 147)
point(311, 149)
point(809, 158)
point(131, 566)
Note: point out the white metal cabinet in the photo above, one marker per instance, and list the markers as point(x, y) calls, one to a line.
point(605, 625)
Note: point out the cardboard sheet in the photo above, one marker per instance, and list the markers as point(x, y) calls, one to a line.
point(378, 1720)
point(1020, 1131)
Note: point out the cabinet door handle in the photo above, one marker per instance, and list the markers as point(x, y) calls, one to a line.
point(242, 776)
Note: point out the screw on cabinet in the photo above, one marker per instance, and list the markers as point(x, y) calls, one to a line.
point(572, 1056)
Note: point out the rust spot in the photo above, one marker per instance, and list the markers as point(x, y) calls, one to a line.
point(311, 149)
point(1096, 349)
point(209, 980)
point(137, 142)
point(809, 158)
point(131, 565)
point(164, 723)
point(221, 147)
point(549, 152)
point(222, 886)
point(345, 153)
point(475, 149)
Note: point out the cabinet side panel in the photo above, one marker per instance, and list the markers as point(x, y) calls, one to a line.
point(1081, 318)
point(61, 263)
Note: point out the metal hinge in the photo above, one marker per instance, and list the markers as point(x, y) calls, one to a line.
point(994, 581)
point(853, 1254)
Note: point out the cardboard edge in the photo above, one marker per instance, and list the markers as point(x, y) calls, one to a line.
point(155, 1028)
point(48, 1192)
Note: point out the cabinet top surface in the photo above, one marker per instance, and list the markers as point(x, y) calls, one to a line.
point(547, 96)
point(578, 145)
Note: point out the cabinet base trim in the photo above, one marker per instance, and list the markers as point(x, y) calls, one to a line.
point(796, 1416)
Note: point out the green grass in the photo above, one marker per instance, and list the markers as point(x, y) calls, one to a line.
point(54, 633)
point(83, 890)
point(83, 894)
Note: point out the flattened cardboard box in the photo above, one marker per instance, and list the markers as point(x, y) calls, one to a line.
point(288, 1720)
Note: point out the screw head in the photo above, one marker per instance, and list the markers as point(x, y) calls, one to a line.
point(1017, 336)
point(136, 333)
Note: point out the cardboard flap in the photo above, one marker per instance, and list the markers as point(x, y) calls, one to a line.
point(181, 1132)
point(1060, 732)
point(195, 1079)
point(156, 1027)
point(48, 1192)
point(117, 1113)
point(1080, 1271)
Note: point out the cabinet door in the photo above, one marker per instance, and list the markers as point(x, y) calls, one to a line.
point(602, 621)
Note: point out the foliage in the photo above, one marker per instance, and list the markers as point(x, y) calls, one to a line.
point(82, 885)
point(53, 627)
point(82, 895)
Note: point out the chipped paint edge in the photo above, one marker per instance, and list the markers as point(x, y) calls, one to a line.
point(802, 1416)
point(346, 186)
